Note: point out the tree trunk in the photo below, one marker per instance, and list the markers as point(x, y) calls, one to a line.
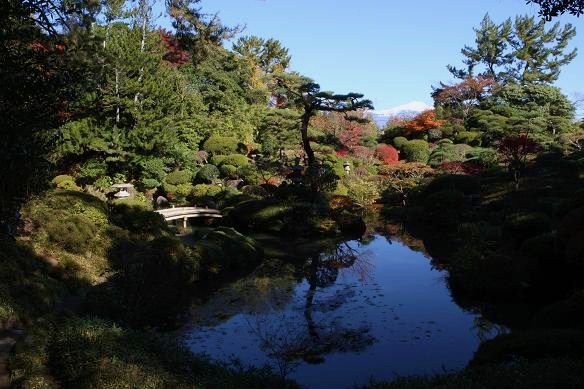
point(117, 96)
point(305, 141)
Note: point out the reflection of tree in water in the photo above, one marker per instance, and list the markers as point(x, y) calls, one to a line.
point(287, 342)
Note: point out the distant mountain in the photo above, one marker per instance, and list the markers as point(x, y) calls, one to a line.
point(401, 111)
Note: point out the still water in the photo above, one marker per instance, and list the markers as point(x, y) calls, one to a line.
point(341, 316)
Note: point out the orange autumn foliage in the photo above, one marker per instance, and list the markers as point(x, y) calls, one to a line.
point(424, 121)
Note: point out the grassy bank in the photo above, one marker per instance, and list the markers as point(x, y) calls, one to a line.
point(91, 284)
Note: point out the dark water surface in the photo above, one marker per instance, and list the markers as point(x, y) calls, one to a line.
point(341, 317)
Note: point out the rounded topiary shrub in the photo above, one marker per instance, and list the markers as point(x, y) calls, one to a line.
point(74, 233)
point(523, 225)
point(472, 138)
point(217, 160)
point(150, 183)
point(179, 177)
point(208, 174)
point(64, 182)
point(399, 141)
point(416, 150)
point(255, 191)
point(228, 171)
point(205, 190)
point(183, 190)
point(237, 160)
point(221, 145)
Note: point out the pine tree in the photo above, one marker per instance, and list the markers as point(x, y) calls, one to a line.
point(301, 92)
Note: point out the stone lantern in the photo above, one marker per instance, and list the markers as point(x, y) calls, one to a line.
point(347, 167)
point(123, 190)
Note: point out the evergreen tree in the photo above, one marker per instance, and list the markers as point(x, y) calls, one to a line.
point(303, 93)
point(524, 51)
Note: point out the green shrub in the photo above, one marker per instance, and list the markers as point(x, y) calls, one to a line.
point(237, 160)
point(150, 183)
point(183, 190)
point(179, 177)
point(225, 249)
point(208, 174)
point(140, 296)
point(205, 190)
point(399, 142)
point(92, 170)
point(217, 160)
point(468, 185)
point(523, 225)
point(75, 233)
point(249, 174)
point(434, 134)
point(472, 138)
point(255, 191)
point(137, 217)
point(221, 145)
point(446, 152)
point(104, 184)
point(65, 182)
point(486, 157)
point(362, 191)
point(416, 150)
point(153, 168)
point(61, 178)
point(228, 171)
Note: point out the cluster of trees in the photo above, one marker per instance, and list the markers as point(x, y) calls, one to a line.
point(503, 96)
point(104, 93)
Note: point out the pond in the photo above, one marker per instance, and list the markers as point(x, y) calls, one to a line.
point(340, 316)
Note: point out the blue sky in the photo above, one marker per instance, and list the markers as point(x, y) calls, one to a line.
point(392, 51)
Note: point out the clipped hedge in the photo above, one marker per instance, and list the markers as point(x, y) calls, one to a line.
point(221, 145)
point(399, 142)
point(416, 150)
point(200, 191)
point(179, 177)
point(208, 174)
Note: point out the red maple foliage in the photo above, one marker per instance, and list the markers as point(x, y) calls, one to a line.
point(457, 167)
point(515, 150)
point(466, 94)
point(386, 153)
point(175, 55)
point(342, 152)
point(423, 122)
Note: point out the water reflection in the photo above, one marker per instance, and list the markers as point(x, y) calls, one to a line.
point(341, 315)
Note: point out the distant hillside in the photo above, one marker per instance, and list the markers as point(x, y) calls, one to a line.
point(401, 111)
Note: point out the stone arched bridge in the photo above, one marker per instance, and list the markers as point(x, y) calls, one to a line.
point(186, 213)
